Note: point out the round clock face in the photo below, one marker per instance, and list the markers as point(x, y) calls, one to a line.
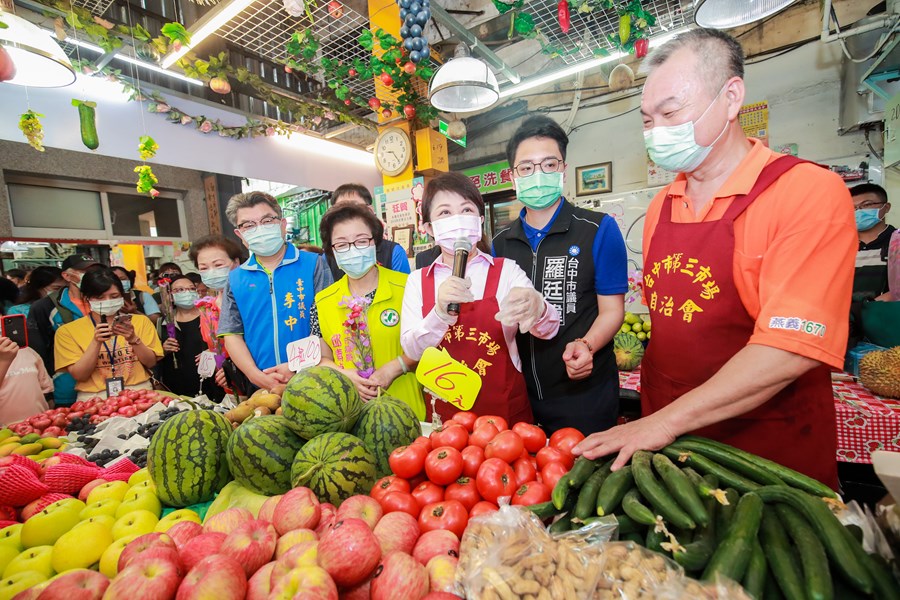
point(392, 151)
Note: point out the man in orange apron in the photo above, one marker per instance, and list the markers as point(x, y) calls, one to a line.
point(748, 268)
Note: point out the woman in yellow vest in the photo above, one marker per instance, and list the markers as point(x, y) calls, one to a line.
point(358, 316)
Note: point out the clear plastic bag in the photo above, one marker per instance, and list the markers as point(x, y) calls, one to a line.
point(631, 572)
point(721, 589)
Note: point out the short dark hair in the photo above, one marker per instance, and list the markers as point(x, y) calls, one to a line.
point(249, 200)
point(169, 266)
point(17, 273)
point(9, 292)
point(869, 188)
point(186, 276)
point(97, 282)
point(195, 277)
point(451, 181)
point(718, 53)
point(342, 213)
point(228, 246)
point(131, 275)
point(351, 188)
point(536, 126)
point(40, 278)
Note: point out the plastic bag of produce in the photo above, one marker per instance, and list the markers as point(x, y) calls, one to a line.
point(722, 589)
point(630, 572)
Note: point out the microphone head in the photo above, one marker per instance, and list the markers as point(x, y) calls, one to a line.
point(462, 244)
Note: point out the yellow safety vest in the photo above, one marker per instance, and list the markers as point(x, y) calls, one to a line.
point(383, 318)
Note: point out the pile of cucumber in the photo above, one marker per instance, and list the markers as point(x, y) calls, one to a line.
point(720, 511)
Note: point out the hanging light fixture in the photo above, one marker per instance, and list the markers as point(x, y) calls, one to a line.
point(464, 84)
point(37, 59)
point(727, 14)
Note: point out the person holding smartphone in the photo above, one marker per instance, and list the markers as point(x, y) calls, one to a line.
point(24, 383)
point(107, 351)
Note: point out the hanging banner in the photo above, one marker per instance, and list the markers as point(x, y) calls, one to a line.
point(493, 177)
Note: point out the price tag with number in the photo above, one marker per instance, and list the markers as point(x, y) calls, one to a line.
point(448, 379)
point(304, 353)
point(206, 368)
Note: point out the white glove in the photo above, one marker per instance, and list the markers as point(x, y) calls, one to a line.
point(453, 290)
point(523, 306)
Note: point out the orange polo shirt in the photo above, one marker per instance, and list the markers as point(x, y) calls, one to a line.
point(794, 253)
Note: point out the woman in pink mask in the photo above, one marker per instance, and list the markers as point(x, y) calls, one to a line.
point(496, 301)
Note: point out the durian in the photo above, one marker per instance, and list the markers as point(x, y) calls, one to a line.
point(880, 372)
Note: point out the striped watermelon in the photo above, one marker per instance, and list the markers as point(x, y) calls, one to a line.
point(335, 466)
point(320, 400)
point(260, 453)
point(386, 423)
point(186, 457)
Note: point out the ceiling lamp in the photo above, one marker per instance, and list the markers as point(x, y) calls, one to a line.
point(726, 14)
point(464, 84)
point(37, 59)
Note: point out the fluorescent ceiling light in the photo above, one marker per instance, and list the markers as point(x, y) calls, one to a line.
point(727, 14)
point(38, 59)
point(571, 70)
point(136, 62)
point(207, 25)
point(323, 147)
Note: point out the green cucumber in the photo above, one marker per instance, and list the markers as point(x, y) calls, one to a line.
point(786, 474)
point(726, 513)
point(636, 537)
point(681, 489)
point(781, 556)
point(587, 497)
point(772, 591)
point(883, 582)
point(634, 508)
point(544, 510)
point(816, 574)
point(732, 556)
point(87, 117)
point(683, 456)
point(856, 531)
point(627, 524)
point(706, 484)
point(656, 494)
point(736, 463)
point(613, 490)
point(655, 539)
point(562, 524)
point(695, 555)
point(757, 572)
point(574, 479)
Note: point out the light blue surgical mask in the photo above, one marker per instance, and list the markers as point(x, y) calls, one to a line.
point(356, 262)
point(867, 218)
point(539, 190)
point(126, 286)
point(185, 299)
point(265, 240)
point(215, 278)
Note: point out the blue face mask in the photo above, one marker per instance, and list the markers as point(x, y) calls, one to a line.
point(867, 218)
point(126, 286)
point(215, 278)
point(265, 240)
point(356, 262)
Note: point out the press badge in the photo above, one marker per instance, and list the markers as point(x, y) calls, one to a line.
point(114, 386)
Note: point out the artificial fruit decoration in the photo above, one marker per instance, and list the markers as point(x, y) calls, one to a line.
point(7, 66)
point(562, 14)
point(387, 113)
point(30, 124)
point(410, 111)
point(641, 47)
point(220, 85)
point(386, 79)
point(335, 9)
point(374, 103)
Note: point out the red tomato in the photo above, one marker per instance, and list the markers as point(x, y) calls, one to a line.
point(449, 514)
point(551, 473)
point(506, 445)
point(472, 456)
point(482, 508)
point(495, 478)
point(427, 493)
point(550, 454)
point(524, 470)
point(451, 434)
point(531, 493)
point(389, 484)
point(418, 480)
point(444, 465)
point(400, 502)
point(498, 422)
point(408, 461)
point(533, 437)
point(483, 435)
point(464, 490)
point(466, 419)
point(565, 439)
point(425, 441)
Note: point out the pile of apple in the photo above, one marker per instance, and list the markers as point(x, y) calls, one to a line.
point(465, 466)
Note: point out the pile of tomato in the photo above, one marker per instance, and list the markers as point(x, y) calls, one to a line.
point(463, 469)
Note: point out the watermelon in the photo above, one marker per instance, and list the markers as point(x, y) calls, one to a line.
point(186, 457)
point(320, 400)
point(628, 350)
point(386, 423)
point(260, 453)
point(335, 466)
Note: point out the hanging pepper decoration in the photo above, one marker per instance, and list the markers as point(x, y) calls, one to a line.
point(641, 46)
point(562, 13)
point(624, 28)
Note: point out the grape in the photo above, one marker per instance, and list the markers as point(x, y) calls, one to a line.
point(415, 56)
point(418, 43)
point(403, 13)
point(404, 31)
point(422, 18)
point(408, 44)
point(415, 32)
point(410, 20)
point(405, 3)
point(415, 7)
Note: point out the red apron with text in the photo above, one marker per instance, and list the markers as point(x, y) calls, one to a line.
point(477, 341)
point(699, 323)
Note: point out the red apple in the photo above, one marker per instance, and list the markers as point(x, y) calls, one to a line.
point(374, 103)
point(260, 585)
point(305, 583)
point(399, 577)
point(386, 79)
point(304, 554)
point(199, 547)
point(359, 592)
point(155, 545)
point(267, 510)
point(365, 508)
point(227, 520)
point(83, 494)
point(149, 578)
point(298, 509)
point(397, 531)
point(349, 552)
point(409, 67)
point(217, 576)
point(252, 545)
point(434, 543)
point(352, 72)
point(442, 573)
point(327, 519)
point(80, 584)
point(441, 596)
point(184, 531)
point(387, 113)
point(292, 538)
point(410, 111)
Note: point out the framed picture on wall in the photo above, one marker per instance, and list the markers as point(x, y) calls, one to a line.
point(403, 236)
point(593, 179)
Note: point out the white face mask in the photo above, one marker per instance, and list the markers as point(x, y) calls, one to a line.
point(449, 229)
point(107, 307)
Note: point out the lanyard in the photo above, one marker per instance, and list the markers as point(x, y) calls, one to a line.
point(110, 353)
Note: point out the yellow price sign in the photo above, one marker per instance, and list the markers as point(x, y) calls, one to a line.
point(448, 379)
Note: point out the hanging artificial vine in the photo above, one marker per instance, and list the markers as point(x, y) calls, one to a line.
point(146, 181)
point(147, 147)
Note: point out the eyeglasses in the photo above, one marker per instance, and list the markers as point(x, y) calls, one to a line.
point(548, 165)
point(249, 226)
point(175, 291)
point(344, 246)
point(874, 204)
